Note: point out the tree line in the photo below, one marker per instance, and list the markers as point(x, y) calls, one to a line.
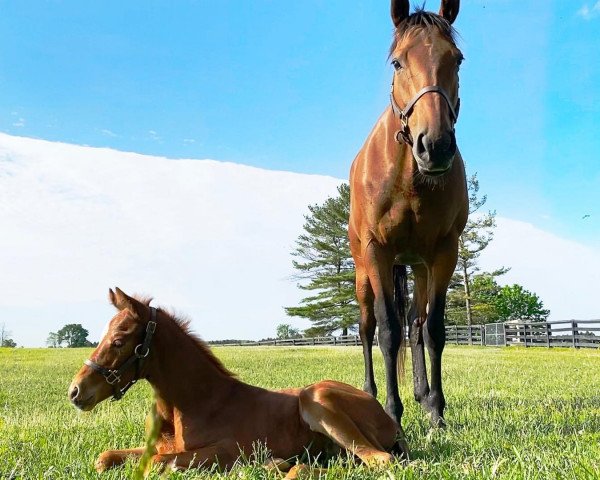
point(325, 268)
point(72, 335)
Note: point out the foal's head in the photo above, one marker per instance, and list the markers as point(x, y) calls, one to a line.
point(122, 344)
point(424, 54)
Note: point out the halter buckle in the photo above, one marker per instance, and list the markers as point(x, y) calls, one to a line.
point(112, 377)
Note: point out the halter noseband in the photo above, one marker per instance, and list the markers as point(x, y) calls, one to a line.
point(403, 135)
point(141, 351)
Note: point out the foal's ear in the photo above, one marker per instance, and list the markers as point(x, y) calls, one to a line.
point(449, 10)
point(122, 301)
point(399, 10)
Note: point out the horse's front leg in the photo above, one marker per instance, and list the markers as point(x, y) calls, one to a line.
point(364, 296)
point(379, 264)
point(435, 331)
point(114, 458)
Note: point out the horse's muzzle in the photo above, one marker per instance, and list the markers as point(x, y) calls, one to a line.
point(78, 398)
point(434, 153)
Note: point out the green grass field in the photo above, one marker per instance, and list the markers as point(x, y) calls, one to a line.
point(512, 413)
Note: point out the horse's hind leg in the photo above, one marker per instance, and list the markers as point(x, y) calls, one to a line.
point(416, 318)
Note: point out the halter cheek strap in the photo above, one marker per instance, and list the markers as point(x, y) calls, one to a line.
point(113, 376)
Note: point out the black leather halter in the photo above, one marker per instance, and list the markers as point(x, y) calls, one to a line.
point(403, 135)
point(141, 351)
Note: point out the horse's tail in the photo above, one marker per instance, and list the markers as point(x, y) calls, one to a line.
point(400, 299)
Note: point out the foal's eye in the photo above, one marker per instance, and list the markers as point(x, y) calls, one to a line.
point(396, 64)
point(117, 343)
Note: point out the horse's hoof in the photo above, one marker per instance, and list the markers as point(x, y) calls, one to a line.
point(437, 421)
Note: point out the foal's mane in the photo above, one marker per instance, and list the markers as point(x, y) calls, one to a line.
point(183, 324)
point(420, 19)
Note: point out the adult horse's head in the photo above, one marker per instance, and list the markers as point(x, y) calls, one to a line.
point(118, 361)
point(425, 86)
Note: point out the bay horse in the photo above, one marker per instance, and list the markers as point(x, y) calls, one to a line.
point(409, 205)
point(208, 416)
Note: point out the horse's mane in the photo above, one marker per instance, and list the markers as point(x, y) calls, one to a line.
point(420, 19)
point(183, 323)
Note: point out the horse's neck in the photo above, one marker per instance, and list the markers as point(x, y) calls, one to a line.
point(397, 156)
point(182, 373)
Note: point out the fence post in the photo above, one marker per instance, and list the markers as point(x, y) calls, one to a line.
point(470, 330)
point(574, 332)
point(482, 328)
point(547, 335)
point(334, 341)
point(505, 339)
point(525, 334)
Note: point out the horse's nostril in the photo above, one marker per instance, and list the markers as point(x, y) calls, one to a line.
point(420, 145)
point(74, 392)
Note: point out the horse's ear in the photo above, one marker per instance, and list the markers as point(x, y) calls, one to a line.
point(400, 10)
point(122, 301)
point(449, 10)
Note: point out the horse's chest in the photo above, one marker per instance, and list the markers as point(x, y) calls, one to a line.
point(411, 227)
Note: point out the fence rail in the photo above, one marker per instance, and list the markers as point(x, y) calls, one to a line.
point(567, 333)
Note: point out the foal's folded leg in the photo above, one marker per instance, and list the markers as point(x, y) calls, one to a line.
point(114, 458)
point(224, 454)
point(322, 410)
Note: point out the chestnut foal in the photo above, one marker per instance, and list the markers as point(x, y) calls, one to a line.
point(209, 416)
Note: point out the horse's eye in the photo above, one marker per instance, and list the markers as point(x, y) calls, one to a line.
point(117, 343)
point(396, 64)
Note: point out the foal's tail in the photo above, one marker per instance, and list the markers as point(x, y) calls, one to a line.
point(400, 299)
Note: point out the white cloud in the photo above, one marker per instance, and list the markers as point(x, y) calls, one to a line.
point(153, 135)
point(19, 123)
point(189, 140)
point(212, 239)
point(108, 133)
point(587, 13)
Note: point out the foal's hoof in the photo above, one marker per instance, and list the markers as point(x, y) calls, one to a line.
point(278, 464)
point(400, 448)
point(105, 461)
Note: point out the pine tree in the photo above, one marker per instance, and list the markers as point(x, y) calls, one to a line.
point(324, 260)
point(476, 236)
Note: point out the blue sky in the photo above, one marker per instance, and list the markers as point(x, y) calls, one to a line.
point(297, 86)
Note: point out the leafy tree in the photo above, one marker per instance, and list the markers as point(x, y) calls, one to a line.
point(324, 260)
point(477, 235)
point(74, 335)
point(515, 303)
point(5, 340)
point(285, 330)
point(8, 342)
point(52, 340)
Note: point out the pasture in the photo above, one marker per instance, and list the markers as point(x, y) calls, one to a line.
point(512, 413)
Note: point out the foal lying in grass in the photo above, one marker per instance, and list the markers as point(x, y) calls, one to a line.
point(210, 417)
